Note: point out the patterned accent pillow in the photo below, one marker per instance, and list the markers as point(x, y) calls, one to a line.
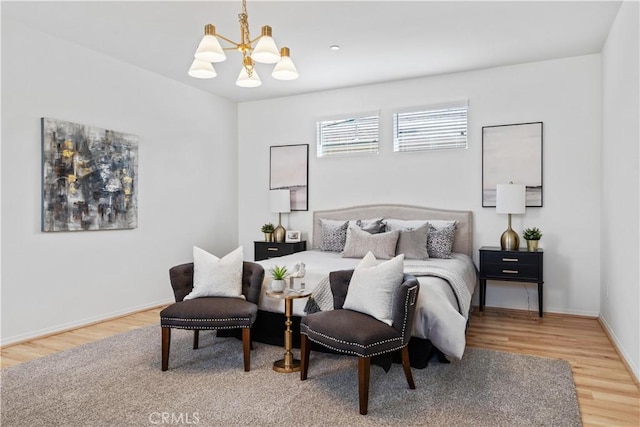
point(359, 243)
point(334, 235)
point(440, 241)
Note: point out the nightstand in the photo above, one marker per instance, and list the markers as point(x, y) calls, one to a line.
point(511, 266)
point(265, 250)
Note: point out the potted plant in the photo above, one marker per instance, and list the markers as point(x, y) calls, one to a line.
point(278, 274)
point(268, 229)
point(532, 236)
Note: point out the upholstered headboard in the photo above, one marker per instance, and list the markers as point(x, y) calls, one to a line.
point(463, 240)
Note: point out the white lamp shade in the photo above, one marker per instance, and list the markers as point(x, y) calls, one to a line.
point(285, 70)
point(266, 51)
point(202, 70)
point(280, 201)
point(510, 199)
point(245, 81)
point(209, 50)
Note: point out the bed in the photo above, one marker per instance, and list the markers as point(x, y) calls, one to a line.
point(446, 284)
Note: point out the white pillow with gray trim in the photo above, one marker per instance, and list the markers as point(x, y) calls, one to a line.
point(373, 286)
point(216, 277)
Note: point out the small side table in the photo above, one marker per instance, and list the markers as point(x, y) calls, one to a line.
point(288, 364)
point(511, 266)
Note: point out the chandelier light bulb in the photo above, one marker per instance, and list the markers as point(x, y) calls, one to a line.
point(266, 51)
point(285, 69)
point(202, 70)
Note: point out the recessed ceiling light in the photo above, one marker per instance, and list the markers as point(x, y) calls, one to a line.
point(334, 47)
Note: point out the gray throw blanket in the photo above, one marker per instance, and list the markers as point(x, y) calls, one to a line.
point(322, 297)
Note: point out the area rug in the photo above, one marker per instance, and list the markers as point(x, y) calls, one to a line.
point(118, 382)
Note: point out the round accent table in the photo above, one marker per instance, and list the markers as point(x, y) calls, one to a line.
point(288, 364)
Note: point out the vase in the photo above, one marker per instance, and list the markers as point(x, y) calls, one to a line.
point(532, 245)
point(278, 285)
point(268, 237)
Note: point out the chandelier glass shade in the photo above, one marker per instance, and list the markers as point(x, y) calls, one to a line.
point(210, 51)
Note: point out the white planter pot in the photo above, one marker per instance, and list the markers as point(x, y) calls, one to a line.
point(278, 285)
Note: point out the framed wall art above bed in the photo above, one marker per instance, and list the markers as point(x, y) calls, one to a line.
point(512, 153)
point(289, 170)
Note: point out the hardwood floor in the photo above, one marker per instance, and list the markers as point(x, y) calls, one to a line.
point(607, 393)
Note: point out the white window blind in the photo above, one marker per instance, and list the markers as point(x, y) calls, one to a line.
point(431, 128)
point(352, 135)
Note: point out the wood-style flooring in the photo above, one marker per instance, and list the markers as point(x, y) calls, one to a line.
point(607, 393)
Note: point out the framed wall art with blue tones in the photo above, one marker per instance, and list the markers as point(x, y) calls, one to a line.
point(89, 178)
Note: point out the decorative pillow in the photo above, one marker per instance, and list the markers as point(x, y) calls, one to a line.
point(440, 242)
point(373, 226)
point(334, 235)
point(413, 243)
point(216, 277)
point(373, 285)
point(359, 242)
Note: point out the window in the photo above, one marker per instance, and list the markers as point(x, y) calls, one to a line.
point(352, 135)
point(431, 128)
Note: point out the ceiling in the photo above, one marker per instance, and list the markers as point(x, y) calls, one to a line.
point(380, 40)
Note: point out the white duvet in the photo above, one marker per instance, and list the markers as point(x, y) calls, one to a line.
point(438, 316)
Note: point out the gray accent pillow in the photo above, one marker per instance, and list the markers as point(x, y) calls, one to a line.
point(334, 235)
point(413, 243)
point(360, 242)
point(440, 241)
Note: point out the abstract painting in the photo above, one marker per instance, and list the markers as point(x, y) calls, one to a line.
point(512, 153)
point(289, 169)
point(89, 178)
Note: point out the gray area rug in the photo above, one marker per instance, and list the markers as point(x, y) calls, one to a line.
point(118, 382)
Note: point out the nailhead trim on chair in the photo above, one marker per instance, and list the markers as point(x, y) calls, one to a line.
point(190, 328)
point(341, 350)
point(406, 309)
point(223, 319)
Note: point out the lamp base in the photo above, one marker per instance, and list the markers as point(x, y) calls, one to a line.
point(509, 241)
point(279, 234)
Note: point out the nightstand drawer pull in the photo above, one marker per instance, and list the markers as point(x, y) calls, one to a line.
point(273, 249)
point(510, 271)
point(510, 259)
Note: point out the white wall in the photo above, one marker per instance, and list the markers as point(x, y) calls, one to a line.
point(564, 94)
point(620, 232)
point(51, 281)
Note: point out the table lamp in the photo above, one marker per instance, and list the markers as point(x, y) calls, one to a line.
point(280, 202)
point(510, 199)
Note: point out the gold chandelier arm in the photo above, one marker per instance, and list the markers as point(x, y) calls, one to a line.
point(236, 45)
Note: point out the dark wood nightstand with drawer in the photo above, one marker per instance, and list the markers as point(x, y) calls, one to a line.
point(512, 266)
point(265, 250)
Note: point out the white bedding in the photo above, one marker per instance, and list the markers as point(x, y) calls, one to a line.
point(438, 316)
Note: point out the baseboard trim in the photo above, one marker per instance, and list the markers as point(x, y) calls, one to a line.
point(43, 333)
point(621, 354)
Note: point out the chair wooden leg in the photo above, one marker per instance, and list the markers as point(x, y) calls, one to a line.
point(166, 343)
point(364, 367)
point(246, 348)
point(305, 352)
point(407, 367)
point(196, 338)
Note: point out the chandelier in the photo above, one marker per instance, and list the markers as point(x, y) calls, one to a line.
point(265, 52)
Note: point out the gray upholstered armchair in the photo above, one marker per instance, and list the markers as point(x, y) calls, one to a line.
point(357, 334)
point(211, 312)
